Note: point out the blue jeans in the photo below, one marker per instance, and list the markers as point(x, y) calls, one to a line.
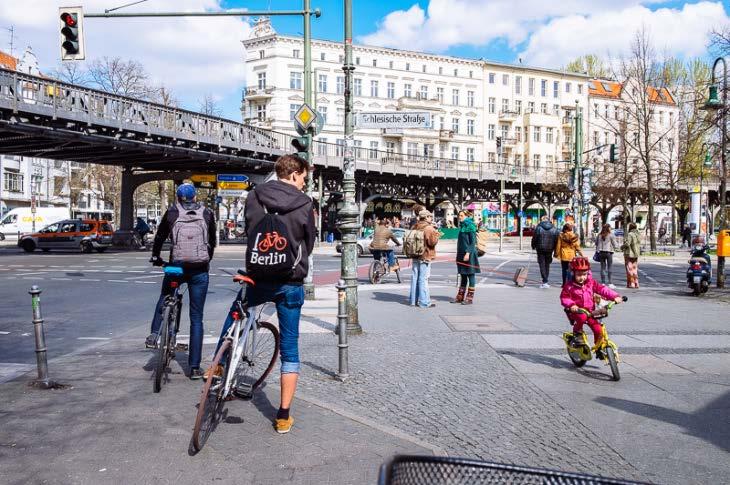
point(289, 300)
point(419, 283)
point(197, 290)
point(389, 254)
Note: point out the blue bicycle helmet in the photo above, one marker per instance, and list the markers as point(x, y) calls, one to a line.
point(186, 193)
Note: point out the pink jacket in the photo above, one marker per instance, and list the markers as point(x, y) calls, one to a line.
point(582, 296)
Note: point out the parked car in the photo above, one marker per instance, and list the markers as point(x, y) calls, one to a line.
point(86, 235)
point(526, 232)
point(363, 243)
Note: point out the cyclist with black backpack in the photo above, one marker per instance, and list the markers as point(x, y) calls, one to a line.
point(280, 232)
point(191, 228)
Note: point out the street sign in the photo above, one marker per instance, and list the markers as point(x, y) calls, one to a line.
point(511, 191)
point(32, 204)
point(393, 119)
point(231, 193)
point(232, 186)
point(231, 177)
point(203, 177)
point(304, 117)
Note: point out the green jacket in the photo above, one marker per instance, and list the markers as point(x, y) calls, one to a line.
point(632, 244)
point(467, 244)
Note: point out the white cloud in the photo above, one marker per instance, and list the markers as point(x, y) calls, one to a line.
point(193, 56)
point(680, 32)
point(449, 23)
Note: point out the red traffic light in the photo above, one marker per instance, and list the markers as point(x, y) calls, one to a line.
point(69, 19)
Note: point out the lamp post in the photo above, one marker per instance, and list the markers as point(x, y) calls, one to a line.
point(706, 163)
point(715, 103)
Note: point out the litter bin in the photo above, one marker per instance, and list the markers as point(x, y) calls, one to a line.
point(723, 243)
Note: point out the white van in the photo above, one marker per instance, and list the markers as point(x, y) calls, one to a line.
point(20, 220)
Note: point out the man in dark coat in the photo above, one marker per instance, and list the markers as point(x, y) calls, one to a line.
point(543, 242)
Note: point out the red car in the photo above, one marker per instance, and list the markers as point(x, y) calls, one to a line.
point(526, 232)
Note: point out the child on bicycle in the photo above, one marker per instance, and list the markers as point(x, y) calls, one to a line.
point(583, 292)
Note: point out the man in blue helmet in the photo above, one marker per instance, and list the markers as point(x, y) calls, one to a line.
point(191, 228)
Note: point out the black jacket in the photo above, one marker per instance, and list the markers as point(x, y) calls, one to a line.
point(295, 211)
point(545, 237)
point(165, 228)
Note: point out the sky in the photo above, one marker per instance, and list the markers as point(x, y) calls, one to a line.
point(199, 57)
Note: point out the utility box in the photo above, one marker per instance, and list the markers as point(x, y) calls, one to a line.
point(723, 243)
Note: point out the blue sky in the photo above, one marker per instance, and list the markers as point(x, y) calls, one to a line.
point(196, 57)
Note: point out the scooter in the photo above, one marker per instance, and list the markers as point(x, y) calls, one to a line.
point(699, 273)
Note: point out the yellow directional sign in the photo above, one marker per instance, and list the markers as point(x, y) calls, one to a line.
point(305, 116)
point(203, 177)
point(233, 185)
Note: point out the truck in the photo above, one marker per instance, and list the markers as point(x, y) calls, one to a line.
point(20, 220)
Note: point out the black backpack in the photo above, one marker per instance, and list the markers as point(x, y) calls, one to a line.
point(271, 253)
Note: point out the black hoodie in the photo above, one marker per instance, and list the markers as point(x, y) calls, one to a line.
point(545, 237)
point(295, 211)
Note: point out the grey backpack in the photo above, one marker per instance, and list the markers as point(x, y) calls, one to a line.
point(190, 236)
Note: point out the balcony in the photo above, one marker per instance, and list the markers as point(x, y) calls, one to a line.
point(508, 115)
point(567, 121)
point(446, 135)
point(255, 92)
point(392, 132)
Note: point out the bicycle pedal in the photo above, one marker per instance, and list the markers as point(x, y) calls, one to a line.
point(181, 347)
point(243, 391)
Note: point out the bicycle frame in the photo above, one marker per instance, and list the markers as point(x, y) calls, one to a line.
point(237, 345)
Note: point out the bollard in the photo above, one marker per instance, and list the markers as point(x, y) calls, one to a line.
point(40, 340)
point(342, 346)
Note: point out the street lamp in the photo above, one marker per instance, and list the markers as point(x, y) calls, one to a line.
point(706, 163)
point(714, 103)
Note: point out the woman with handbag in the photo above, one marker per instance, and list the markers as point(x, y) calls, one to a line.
point(606, 244)
point(467, 260)
point(631, 248)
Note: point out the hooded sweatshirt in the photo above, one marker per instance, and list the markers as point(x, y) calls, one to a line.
point(295, 211)
point(545, 237)
point(568, 244)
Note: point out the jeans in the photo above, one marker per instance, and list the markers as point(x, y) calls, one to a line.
point(419, 283)
point(289, 300)
point(468, 278)
point(565, 266)
point(389, 254)
point(544, 260)
point(606, 259)
point(197, 290)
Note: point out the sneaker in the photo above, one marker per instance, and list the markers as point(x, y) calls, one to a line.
point(612, 286)
point(283, 426)
point(216, 371)
point(196, 373)
point(600, 355)
point(577, 340)
point(151, 341)
point(544, 285)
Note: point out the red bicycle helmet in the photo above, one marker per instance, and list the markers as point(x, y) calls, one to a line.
point(580, 264)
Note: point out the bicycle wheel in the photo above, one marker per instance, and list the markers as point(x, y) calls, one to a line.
point(163, 344)
point(256, 363)
point(211, 402)
point(576, 359)
point(375, 272)
point(613, 362)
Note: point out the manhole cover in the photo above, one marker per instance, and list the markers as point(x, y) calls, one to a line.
point(477, 323)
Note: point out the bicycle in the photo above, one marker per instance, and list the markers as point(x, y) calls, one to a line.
point(379, 269)
point(167, 336)
point(249, 350)
point(605, 350)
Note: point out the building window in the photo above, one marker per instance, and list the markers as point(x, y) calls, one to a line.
point(543, 87)
point(455, 125)
point(518, 106)
point(340, 147)
point(531, 86)
point(454, 153)
point(615, 113)
point(536, 134)
point(456, 73)
point(549, 161)
point(342, 59)
point(491, 78)
point(595, 110)
point(261, 80)
point(470, 127)
point(424, 92)
point(13, 182)
point(470, 99)
point(536, 161)
point(262, 54)
point(580, 88)
point(556, 110)
point(407, 90)
point(390, 64)
point(518, 133)
point(357, 144)
point(567, 87)
point(543, 108)
point(455, 97)
point(321, 56)
point(505, 105)
point(373, 152)
point(605, 138)
point(323, 111)
point(295, 54)
point(261, 112)
point(440, 94)
point(423, 68)
point(504, 130)
point(492, 105)
point(412, 150)
point(470, 154)
point(518, 84)
point(530, 106)
point(490, 132)
point(556, 89)
point(322, 83)
point(442, 123)
point(505, 79)
point(357, 61)
point(374, 89)
point(549, 134)
point(596, 139)
point(391, 90)
point(390, 147)
point(36, 182)
point(358, 87)
point(428, 150)
point(322, 146)
point(441, 70)
point(340, 84)
point(375, 63)
point(293, 108)
point(295, 80)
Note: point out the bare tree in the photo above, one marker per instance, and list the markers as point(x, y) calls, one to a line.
point(71, 72)
point(209, 106)
point(125, 78)
point(720, 40)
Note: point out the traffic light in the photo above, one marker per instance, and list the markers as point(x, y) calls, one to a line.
point(499, 142)
point(612, 154)
point(708, 159)
point(302, 145)
point(72, 34)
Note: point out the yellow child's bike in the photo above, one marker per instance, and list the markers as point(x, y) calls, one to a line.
point(606, 350)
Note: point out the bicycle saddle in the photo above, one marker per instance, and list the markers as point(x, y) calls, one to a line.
point(243, 277)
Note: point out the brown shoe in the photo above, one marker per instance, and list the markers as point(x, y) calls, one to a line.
point(216, 371)
point(459, 295)
point(469, 299)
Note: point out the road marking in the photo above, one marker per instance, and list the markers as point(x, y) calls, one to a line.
point(648, 277)
point(88, 279)
point(29, 274)
point(93, 338)
point(135, 271)
point(4, 333)
point(118, 281)
point(145, 282)
point(666, 265)
point(61, 279)
point(143, 277)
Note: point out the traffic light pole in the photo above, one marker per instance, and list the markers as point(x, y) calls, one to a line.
point(309, 279)
point(578, 183)
point(349, 213)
